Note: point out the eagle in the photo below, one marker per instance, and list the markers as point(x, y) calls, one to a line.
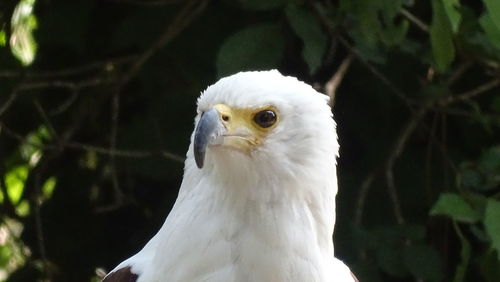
point(257, 201)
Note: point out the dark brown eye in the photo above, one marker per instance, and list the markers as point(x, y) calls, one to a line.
point(265, 118)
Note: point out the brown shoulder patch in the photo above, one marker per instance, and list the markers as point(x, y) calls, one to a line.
point(121, 275)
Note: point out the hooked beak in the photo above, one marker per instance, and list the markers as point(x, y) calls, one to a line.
point(208, 132)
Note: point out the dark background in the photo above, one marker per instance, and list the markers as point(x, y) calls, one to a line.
point(97, 99)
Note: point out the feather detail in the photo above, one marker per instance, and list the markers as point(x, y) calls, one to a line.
point(121, 275)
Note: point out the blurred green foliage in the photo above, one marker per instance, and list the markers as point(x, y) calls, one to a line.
point(97, 100)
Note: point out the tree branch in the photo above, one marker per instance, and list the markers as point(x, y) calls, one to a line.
point(388, 168)
point(39, 230)
point(72, 86)
point(363, 194)
point(119, 197)
point(187, 14)
point(45, 118)
point(471, 93)
point(416, 21)
point(325, 21)
point(136, 154)
point(148, 2)
point(8, 102)
point(334, 82)
point(107, 64)
point(457, 74)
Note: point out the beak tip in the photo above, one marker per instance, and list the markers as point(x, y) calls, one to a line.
point(199, 162)
point(207, 126)
point(199, 153)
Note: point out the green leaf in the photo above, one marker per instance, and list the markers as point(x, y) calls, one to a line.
point(393, 30)
point(5, 255)
point(22, 42)
point(443, 49)
point(454, 206)
point(454, 16)
point(369, 22)
point(258, 47)
point(493, 8)
point(492, 223)
point(23, 208)
point(3, 38)
point(30, 149)
point(14, 180)
point(491, 30)
point(90, 160)
point(261, 4)
point(308, 28)
point(423, 262)
point(489, 266)
point(48, 187)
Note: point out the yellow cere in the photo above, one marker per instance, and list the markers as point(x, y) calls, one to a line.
point(240, 125)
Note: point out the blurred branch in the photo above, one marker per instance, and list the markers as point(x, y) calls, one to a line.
point(334, 34)
point(45, 119)
point(8, 102)
point(388, 169)
point(378, 74)
point(147, 2)
point(64, 106)
point(472, 93)
point(459, 72)
point(126, 153)
point(444, 149)
point(119, 197)
point(188, 13)
point(396, 151)
point(72, 86)
point(363, 194)
point(64, 84)
point(107, 64)
point(100, 150)
point(35, 202)
point(416, 21)
point(334, 82)
point(429, 157)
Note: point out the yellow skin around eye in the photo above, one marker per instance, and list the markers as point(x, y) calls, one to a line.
point(243, 133)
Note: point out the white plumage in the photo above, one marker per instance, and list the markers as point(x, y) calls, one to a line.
point(262, 213)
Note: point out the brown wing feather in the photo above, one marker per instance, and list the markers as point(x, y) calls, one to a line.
point(121, 275)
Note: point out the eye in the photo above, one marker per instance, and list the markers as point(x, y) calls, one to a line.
point(265, 118)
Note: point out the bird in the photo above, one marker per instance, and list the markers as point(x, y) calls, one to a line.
point(257, 200)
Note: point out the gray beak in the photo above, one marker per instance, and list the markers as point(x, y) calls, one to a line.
point(207, 132)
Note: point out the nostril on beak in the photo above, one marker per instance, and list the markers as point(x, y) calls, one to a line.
point(225, 117)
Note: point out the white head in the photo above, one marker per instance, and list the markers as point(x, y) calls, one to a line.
point(266, 123)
